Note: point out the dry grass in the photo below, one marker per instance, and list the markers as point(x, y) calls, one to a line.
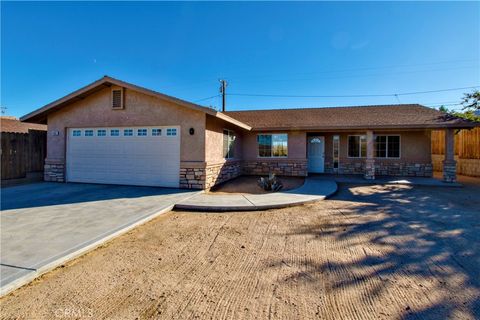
point(377, 252)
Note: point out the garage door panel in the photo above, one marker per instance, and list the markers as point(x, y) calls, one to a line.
point(137, 160)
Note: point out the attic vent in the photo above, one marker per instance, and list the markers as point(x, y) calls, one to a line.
point(117, 99)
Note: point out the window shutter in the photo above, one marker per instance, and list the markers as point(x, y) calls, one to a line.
point(117, 99)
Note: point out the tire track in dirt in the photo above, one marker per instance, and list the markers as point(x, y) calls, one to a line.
point(360, 256)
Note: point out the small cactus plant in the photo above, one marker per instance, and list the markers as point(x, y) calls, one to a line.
point(271, 183)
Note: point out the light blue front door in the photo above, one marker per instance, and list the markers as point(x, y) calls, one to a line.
point(316, 154)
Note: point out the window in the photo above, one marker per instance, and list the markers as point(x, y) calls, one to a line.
point(336, 151)
point(114, 132)
point(272, 145)
point(156, 132)
point(357, 146)
point(88, 133)
point(141, 132)
point(77, 133)
point(128, 132)
point(117, 99)
point(171, 132)
point(228, 144)
point(101, 133)
point(387, 146)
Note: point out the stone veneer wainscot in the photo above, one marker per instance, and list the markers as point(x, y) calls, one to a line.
point(54, 170)
point(283, 167)
point(382, 168)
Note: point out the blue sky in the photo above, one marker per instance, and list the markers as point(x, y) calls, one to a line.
point(182, 49)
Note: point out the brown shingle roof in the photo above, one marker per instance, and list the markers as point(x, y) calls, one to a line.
point(366, 117)
point(9, 124)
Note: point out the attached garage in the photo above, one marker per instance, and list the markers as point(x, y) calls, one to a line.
point(143, 156)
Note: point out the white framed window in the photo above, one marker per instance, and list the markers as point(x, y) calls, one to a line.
point(77, 133)
point(171, 132)
point(101, 133)
point(141, 132)
point(228, 144)
point(156, 132)
point(272, 145)
point(387, 146)
point(127, 132)
point(114, 132)
point(89, 133)
point(357, 146)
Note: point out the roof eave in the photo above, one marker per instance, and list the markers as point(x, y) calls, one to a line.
point(231, 120)
point(40, 114)
point(370, 127)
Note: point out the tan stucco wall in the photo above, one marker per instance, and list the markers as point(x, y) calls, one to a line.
point(415, 145)
point(140, 110)
point(297, 143)
point(214, 140)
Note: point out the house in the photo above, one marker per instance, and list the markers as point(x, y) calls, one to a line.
point(12, 124)
point(115, 132)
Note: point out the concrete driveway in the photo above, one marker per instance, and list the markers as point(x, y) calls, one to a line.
point(44, 224)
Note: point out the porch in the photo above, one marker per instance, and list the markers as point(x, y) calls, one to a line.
point(376, 154)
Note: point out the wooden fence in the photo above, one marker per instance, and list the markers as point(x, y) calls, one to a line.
point(467, 151)
point(22, 153)
point(467, 143)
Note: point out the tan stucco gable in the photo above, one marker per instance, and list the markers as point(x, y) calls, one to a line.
point(140, 110)
point(40, 115)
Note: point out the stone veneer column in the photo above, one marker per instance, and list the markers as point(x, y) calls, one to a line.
point(370, 161)
point(54, 170)
point(449, 164)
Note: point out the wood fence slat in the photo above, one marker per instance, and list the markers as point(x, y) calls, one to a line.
point(467, 143)
point(22, 153)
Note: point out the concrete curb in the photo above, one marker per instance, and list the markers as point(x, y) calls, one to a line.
point(93, 244)
point(297, 199)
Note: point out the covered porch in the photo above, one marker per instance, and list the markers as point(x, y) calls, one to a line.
point(378, 153)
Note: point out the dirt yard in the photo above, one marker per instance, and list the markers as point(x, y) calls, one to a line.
point(249, 185)
point(376, 252)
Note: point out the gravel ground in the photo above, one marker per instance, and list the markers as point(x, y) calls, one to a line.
point(371, 252)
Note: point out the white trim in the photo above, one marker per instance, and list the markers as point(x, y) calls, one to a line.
point(386, 148)
point(360, 147)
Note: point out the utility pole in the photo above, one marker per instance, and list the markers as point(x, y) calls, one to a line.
point(223, 91)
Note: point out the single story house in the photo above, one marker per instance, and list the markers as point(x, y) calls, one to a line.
point(114, 132)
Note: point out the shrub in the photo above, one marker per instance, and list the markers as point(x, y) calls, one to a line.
point(272, 183)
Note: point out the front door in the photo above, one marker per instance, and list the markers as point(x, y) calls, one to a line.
point(316, 154)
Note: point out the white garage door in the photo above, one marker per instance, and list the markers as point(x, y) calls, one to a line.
point(144, 156)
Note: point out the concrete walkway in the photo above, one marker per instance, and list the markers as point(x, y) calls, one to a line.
point(312, 190)
point(44, 225)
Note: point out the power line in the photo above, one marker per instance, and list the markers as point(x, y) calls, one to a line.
point(207, 98)
point(351, 76)
point(349, 95)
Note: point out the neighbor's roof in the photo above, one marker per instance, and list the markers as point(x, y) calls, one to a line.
point(411, 116)
point(40, 115)
point(12, 124)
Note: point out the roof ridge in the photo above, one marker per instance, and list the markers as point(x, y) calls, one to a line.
point(337, 107)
